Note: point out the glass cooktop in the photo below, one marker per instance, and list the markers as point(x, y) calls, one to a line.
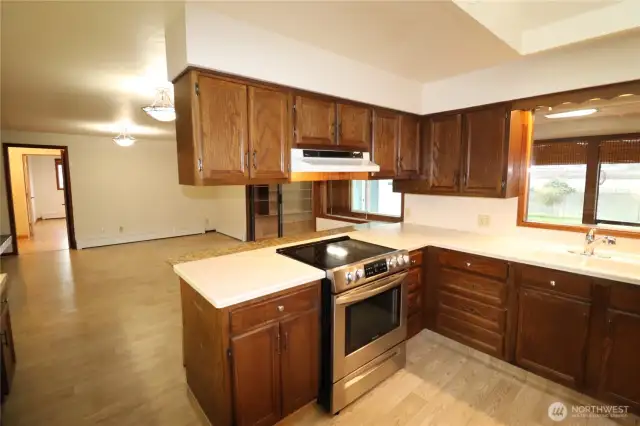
point(333, 253)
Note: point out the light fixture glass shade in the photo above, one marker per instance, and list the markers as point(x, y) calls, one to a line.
point(162, 108)
point(123, 139)
point(574, 113)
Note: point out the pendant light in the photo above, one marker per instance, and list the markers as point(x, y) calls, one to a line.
point(124, 139)
point(162, 108)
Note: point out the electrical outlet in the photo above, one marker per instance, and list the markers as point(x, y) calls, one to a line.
point(484, 220)
point(121, 229)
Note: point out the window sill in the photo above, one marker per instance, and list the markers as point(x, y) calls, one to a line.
point(612, 230)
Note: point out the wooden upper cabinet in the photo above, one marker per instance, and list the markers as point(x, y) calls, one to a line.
point(484, 151)
point(354, 127)
point(386, 135)
point(256, 376)
point(445, 147)
point(269, 130)
point(620, 379)
point(223, 124)
point(315, 121)
point(552, 336)
point(300, 362)
point(408, 148)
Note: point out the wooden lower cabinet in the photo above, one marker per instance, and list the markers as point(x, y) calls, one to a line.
point(620, 379)
point(256, 376)
point(552, 336)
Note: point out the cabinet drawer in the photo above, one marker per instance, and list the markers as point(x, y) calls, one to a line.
point(414, 280)
point(556, 281)
point(247, 317)
point(414, 302)
point(625, 298)
point(471, 335)
point(415, 258)
point(477, 313)
point(477, 264)
point(473, 287)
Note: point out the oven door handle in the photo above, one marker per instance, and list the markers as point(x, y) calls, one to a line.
point(380, 287)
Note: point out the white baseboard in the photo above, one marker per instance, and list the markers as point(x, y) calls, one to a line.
point(101, 241)
point(46, 216)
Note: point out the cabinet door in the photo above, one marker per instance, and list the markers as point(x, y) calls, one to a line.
point(269, 133)
point(256, 376)
point(315, 121)
point(354, 127)
point(620, 380)
point(7, 353)
point(552, 336)
point(223, 118)
point(445, 144)
point(484, 156)
point(386, 132)
point(408, 152)
point(300, 363)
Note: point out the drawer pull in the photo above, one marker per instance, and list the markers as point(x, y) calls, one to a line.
point(281, 308)
point(553, 283)
point(413, 261)
point(468, 264)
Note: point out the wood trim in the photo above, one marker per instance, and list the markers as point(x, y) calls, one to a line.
point(68, 200)
point(590, 204)
point(342, 218)
point(581, 229)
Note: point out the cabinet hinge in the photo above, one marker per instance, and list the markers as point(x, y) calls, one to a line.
point(197, 88)
point(199, 164)
point(504, 184)
point(229, 353)
point(294, 107)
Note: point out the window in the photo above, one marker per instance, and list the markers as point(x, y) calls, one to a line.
point(59, 174)
point(585, 181)
point(375, 197)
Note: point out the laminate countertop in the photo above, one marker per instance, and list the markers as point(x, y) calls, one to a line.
point(235, 278)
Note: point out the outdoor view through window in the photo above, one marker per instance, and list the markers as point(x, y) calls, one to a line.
point(578, 163)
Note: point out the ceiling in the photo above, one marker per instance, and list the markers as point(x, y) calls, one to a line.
point(88, 67)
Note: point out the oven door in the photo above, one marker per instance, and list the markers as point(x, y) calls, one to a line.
point(368, 321)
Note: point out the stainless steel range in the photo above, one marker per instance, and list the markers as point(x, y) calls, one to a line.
point(364, 315)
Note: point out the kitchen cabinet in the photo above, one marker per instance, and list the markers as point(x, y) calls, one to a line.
point(7, 348)
point(256, 376)
point(269, 133)
point(354, 127)
point(254, 362)
point(386, 137)
point(416, 296)
point(474, 152)
point(315, 122)
point(408, 148)
point(552, 336)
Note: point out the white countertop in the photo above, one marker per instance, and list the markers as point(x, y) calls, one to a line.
point(235, 278)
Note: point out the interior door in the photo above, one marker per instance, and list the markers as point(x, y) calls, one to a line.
point(354, 127)
point(485, 143)
point(269, 132)
point(386, 132)
point(223, 116)
point(29, 194)
point(315, 121)
point(445, 149)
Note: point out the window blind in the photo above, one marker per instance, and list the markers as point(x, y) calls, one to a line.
point(546, 153)
point(620, 150)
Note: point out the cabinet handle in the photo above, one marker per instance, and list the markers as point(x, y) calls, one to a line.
point(278, 344)
point(468, 264)
point(464, 179)
point(286, 340)
point(255, 161)
point(281, 308)
point(246, 160)
point(413, 261)
point(553, 283)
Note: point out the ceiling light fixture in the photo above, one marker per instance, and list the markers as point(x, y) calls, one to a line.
point(162, 108)
point(574, 113)
point(123, 139)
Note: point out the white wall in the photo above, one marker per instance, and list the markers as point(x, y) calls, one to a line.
point(208, 39)
point(49, 200)
point(323, 224)
point(135, 188)
point(605, 61)
point(461, 213)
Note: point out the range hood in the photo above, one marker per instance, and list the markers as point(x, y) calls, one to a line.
point(320, 164)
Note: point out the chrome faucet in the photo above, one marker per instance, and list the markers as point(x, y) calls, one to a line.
point(590, 242)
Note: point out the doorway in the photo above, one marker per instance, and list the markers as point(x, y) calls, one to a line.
point(39, 198)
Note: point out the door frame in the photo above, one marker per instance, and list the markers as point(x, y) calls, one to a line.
point(27, 184)
point(68, 202)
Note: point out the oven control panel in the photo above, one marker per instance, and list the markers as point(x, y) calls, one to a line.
point(375, 268)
